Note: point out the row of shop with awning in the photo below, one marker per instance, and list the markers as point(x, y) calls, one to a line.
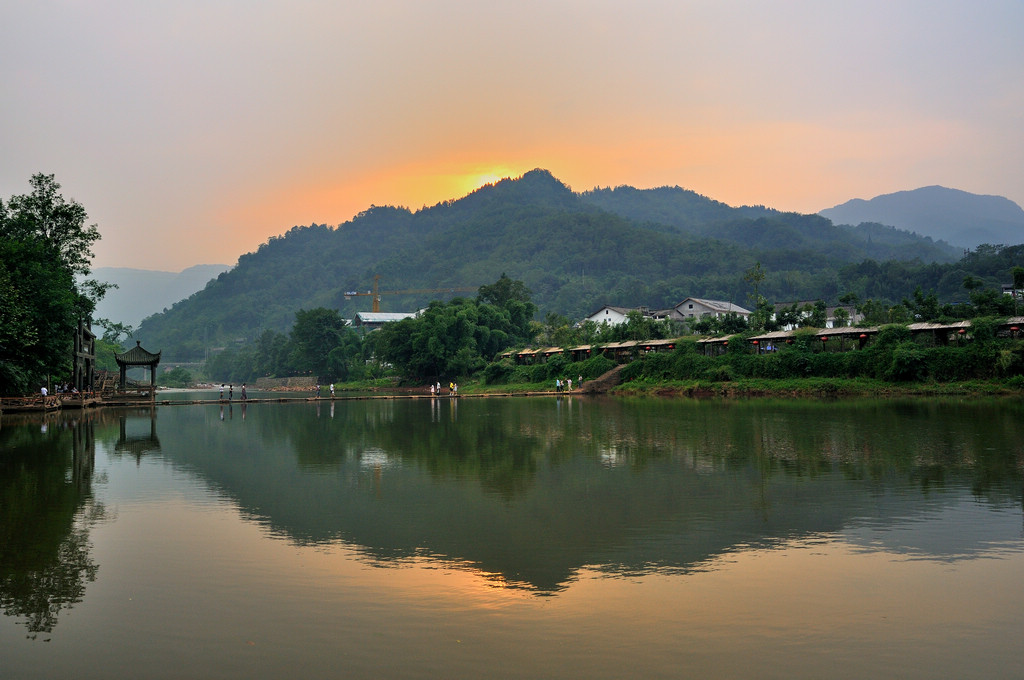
point(849, 338)
point(620, 351)
point(830, 339)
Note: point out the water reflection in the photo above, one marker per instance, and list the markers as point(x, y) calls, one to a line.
point(46, 510)
point(132, 439)
point(531, 491)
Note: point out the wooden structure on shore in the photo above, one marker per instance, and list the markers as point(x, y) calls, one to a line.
point(84, 359)
point(138, 356)
point(36, 403)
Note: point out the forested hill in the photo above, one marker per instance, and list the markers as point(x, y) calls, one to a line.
point(576, 252)
point(695, 215)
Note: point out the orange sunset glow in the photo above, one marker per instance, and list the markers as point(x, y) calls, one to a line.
point(196, 141)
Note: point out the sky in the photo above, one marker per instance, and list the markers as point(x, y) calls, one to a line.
point(193, 131)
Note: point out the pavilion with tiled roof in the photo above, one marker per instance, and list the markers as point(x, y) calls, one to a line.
point(138, 356)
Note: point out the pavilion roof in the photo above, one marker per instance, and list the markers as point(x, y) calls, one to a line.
point(137, 356)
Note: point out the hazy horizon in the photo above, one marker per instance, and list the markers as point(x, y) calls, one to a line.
point(193, 132)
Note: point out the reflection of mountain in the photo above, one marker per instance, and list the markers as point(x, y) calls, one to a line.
point(46, 507)
point(532, 490)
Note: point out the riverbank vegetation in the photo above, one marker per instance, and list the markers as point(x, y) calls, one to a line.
point(893, 356)
point(817, 388)
point(453, 342)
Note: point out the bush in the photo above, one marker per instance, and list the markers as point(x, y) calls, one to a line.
point(498, 373)
point(657, 366)
point(794, 361)
point(908, 363)
point(557, 366)
point(689, 365)
point(594, 367)
point(720, 373)
point(538, 373)
point(946, 364)
point(828, 364)
point(743, 364)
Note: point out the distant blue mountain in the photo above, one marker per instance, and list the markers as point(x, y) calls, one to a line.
point(960, 218)
point(142, 292)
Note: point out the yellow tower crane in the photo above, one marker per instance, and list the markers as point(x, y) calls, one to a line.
point(375, 293)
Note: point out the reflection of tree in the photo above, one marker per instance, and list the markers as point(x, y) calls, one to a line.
point(499, 452)
point(46, 508)
point(528, 490)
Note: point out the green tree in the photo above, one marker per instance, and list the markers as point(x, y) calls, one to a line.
point(458, 338)
point(176, 377)
point(316, 332)
point(972, 283)
point(114, 331)
point(819, 315)
point(923, 307)
point(557, 331)
point(45, 247)
point(515, 298)
point(60, 224)
point(873, 312)
point(754, 276)
point(789, 317)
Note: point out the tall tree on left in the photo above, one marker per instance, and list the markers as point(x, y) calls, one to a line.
point(45, 256)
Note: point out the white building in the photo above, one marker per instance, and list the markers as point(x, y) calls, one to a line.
point(373, 320)
point(695, 308)
point(612, 316)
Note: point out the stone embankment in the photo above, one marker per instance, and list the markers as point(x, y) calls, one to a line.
point(605, 382)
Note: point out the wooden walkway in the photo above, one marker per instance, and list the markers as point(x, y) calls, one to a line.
point(56, 403)
point(36, 403)
point(362, 397)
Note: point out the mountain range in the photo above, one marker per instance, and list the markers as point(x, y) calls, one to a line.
point(140, 292)
point(574, 251)
point(957, 217)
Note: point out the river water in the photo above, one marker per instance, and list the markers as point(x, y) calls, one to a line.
point(514, 538)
